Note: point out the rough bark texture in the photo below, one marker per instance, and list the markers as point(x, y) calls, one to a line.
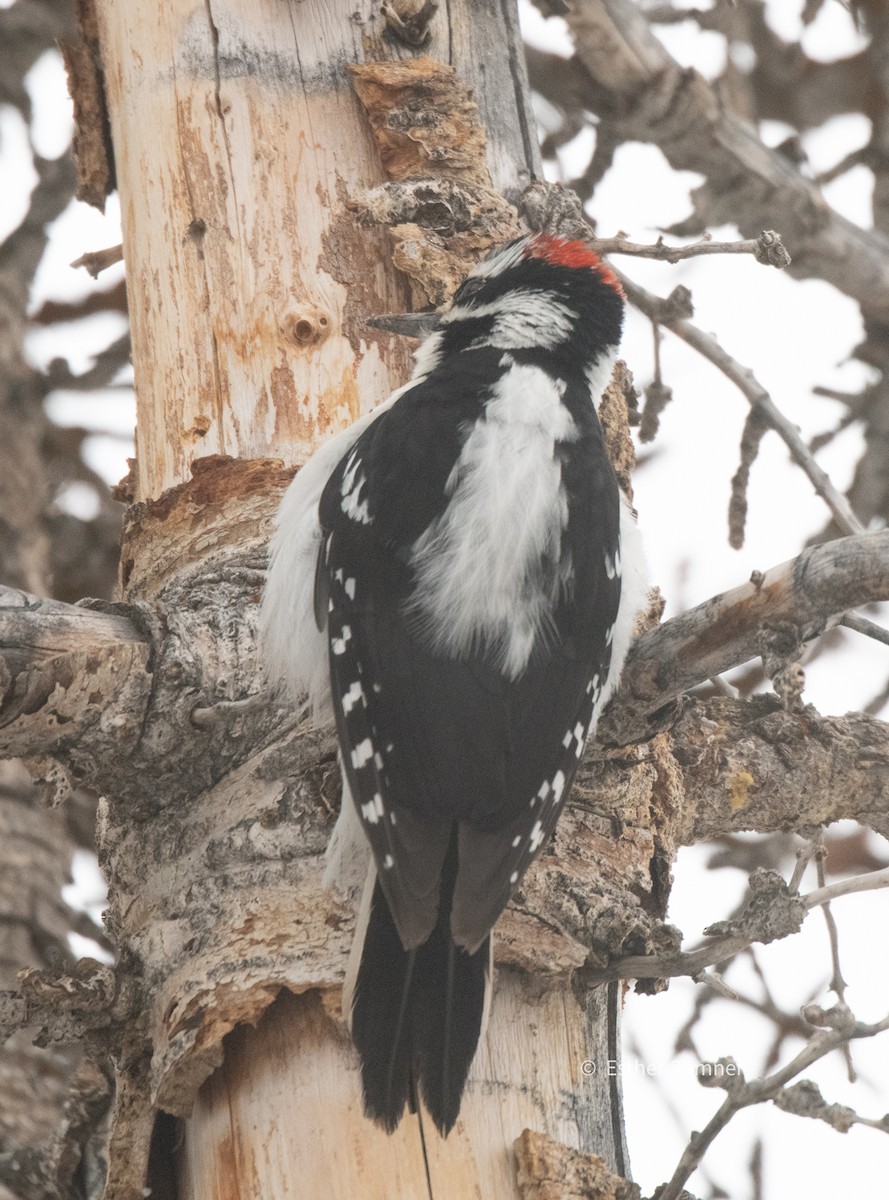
point(268, 191)
point(35, 844)
point(250, 281)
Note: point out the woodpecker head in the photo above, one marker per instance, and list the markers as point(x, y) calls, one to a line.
point(540, 294)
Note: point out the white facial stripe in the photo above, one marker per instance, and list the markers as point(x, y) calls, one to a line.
point(427, 355)
point(520, 319)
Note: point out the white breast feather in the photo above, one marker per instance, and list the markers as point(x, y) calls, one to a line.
point(475, 567)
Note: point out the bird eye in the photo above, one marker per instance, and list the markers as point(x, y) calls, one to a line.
point(467, 290)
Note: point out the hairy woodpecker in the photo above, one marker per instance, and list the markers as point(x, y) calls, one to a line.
point(456, 576)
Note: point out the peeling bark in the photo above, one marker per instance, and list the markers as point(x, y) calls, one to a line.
point(250, 280)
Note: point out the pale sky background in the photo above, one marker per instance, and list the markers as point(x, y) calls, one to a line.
point(794, 336)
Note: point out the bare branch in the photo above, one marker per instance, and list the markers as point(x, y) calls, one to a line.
point(841, 1029)
point(96, 261)
point(639, 89)
point(108, 363)
point(762, 920)
point(70, 677)
point(756, 395)
point(723, 632)
point(869, 882)
point(804, 1099)
point(767, 249)
point(114, 299)
point(869, 628)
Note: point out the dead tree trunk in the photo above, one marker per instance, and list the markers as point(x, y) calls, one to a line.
point(288, 168)
point(251, 161)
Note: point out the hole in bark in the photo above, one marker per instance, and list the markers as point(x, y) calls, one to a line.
point(305, 326)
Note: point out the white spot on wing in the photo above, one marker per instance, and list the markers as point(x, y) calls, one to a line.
point(295, 650)
point(362, 753)
point(373, 810)
point(352, 697)
point(354, 508)
point(580, 734)
point(338, 645)
point(536, 836)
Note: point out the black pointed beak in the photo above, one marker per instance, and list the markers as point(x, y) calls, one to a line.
point(415, 325)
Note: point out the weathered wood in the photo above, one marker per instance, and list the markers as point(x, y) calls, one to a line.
point(801, 597)
point(73, 680)
point(248, 280)
point(242, 156)
point(271, 1106)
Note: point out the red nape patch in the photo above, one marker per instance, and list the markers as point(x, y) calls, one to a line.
point(564, 253)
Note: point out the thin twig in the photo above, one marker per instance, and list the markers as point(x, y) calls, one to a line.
point(723, 687)
point(837, 982)
point(868, 882)
point(717, 984)
point(740, 1094)
point(862, 625)
point(717, 949)
point(863, 155)
point(767, 249)
point(96, 261)
point(707, 346)
point(804, 856)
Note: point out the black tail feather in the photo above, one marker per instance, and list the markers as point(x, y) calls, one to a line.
point(381, 1016)
point(448, 1007)
point(417, 1014)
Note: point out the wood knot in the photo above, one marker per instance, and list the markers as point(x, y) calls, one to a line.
point(305, 325)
